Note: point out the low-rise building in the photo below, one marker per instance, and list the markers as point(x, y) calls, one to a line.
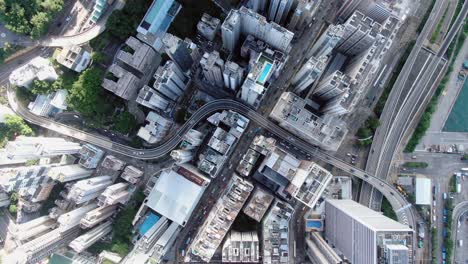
point(121, 82)
point(49, 104)
point(275, 231)
point(138, 56)
point(258, 204)
point(152, 99)
point(68, 173)
point(74, 57)
point(112, 163)
point(423, 191)
point(38, 68)
point(90, 156)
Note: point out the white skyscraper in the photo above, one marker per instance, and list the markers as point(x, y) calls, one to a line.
point(309, 73)
point(86, 240)
point(86, 190)
point(38, 147)
point(362, 234)
point(359, 34)
point(327, 41)
point(71, 219)
point(114, 194)
point(279, 10)
point(182, 156)
point(69, 173)
point(332, 86)
point(97, 215)
point(170, 80)
point(232, 75)
point(213, 66)
point(152, 99)
point(247, 22)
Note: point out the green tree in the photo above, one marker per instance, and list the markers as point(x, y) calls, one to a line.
point(120, 24)
point(40, 23)
point(14, 126)
point(84, 93)
point(373, 123)
point(98, 57)
point(125, 122)
point(42, 87)
point(120, 248)
point(13, 209)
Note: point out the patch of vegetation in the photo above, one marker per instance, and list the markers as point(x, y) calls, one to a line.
point(367, 130)
point(448, 240)
point(436, 32)
point(98, 57)
point(388, 210)
point(122, 23)
point(13, 127)
point(185, 23)
point(453, 184)
point(29, 17)
point(24, 95)
point(465, 157)
point(84, 93)
point(44, 87)
point(32, 162)
point(125, 122)
point(180, 115)
point(7, 51)
point(425, 121)
point(457, 12)
point(415, 165)
point(49, 203)
point(425, 17)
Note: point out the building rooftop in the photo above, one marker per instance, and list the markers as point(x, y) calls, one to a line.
point(74, 57)
point(258, 204)
point(219, 220)
point(294, 114)
point(368, 217)
point(165, 196)
point(37, 68)
point(423, 191)
point(121, 82)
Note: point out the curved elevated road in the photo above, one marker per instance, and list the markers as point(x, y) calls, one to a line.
point(399, 203)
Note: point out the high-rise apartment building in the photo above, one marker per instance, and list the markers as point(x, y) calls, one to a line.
point(303, 14)
point(84, 241)
point(72, 219)
point(39, 147)
point(359, 34)
point(294, 114)
point(327, 41)
point(170, 81)
point(114, 194)
point(213, 67)
point(363, 235)
point(152, 99)
point(182, 156)
point(155, 129)
point(219, 220)
point(279, 10)
point(69, 173)
point(131, 174)
point(233, 75)
point(97, 215)
point(246, 22)
point(332, 86)
point(208, 26)
point(88, 189)
point(90, 156)
point(347, 8)
point(308, 73)
point(318, 251)
point(182, 52)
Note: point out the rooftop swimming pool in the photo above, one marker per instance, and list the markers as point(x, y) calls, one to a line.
point(149, 222)
point(265, 72)
point(314, 224)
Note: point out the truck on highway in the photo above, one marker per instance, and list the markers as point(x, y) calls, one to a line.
point(460, 243)
point(464, 169)
point(444, 252)
point(458, 188)
point(444, 195)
